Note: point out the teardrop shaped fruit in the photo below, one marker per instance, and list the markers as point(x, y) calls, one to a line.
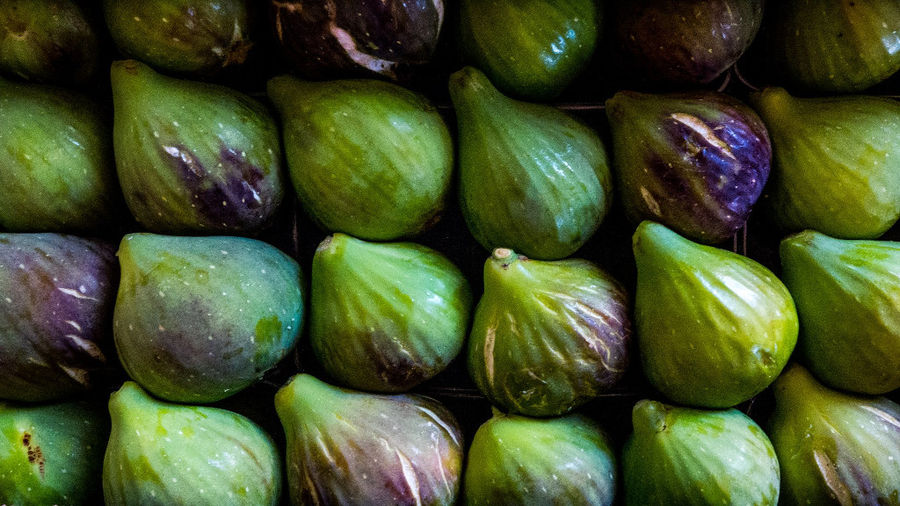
point(836, 166)
point(347, 447)
point(199, 37)
point(57, 170)
point(517, 460)
point(835, 45)
point(834, 448)
point(57, 300)
point(532, 178)
point(385, 316)
point(161, 453)
point(193, 157)
point(694, 456)
point(696, 162)
point(848, 298)
point(367, 158)
point(49, 41)
point(714, 328)
point(531, 48)
point(51, 454)
point(547, 336)
point(199, 318)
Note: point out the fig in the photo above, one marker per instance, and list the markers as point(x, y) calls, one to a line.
point(193, 157)
point(835, 45)
point(57, 304)
point(348, 447)
point(695, 456)
point(533, 48)
point(49, 41)
point(199, 318)
point(51, 454)
point(547, 336)
point(518, 460)
point(385, 316)
point(714, 328)
point(57, 170)
point(357, 38)
point(848, 298)
point(199, 37)
point(836, 166)
point(162, 453)
point(696, 162)
point(834, 448)
point(532, 178)
point(367, 158)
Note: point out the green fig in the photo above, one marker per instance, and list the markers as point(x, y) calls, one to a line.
point(530, 48)
point(714, 328)
point(694, 456)
point(193, 157)
point(834, 448)
point(57, 171)
point(547, 336)
point(347, 447)
point(385, 317)
point(516, 460)
point(199, 318)
point(848, 298)
point(367, 158)
point(161, 453)
point(531, 177)
point(836, 166)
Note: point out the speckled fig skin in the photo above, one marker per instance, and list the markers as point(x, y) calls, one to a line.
point(696, 162)
point(56, 296)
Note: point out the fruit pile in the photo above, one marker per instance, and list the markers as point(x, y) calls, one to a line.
point(481, 252)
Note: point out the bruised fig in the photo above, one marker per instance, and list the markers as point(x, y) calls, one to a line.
point(57, 300)
point(714, 328)
point(347, 447)
point(531, 177)
point(193, 157)
point(385, 317)
point(199, 318)
point(696, 162)
point(161, 453)
point(547, 336)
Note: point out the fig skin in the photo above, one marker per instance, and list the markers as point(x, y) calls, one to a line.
point(199, 318)
point(54, 327)
point(385, 316)
point(348, 447)
point(848, 298)
point(696, 162)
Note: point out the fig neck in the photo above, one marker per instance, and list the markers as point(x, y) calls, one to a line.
point(503, 268)
point(649, 417)
point(472, 93)
point(796, 387)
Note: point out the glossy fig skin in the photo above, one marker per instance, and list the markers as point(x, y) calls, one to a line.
point(199, 318)
point(533, 48)
point(385, 316)
point(714, 328)
point(532, 178)
point(848, 298)
point(836, 166)
point(198, 37)
point(518, 460)
point(357, 38)
point(834, 448)
point(52, 453)
point(367, 158)
point(547, 336)
point(696, 162)
point(692, 456)
point(162, 453)
point(348, 447)
point(193, 157)
point(54, 327)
